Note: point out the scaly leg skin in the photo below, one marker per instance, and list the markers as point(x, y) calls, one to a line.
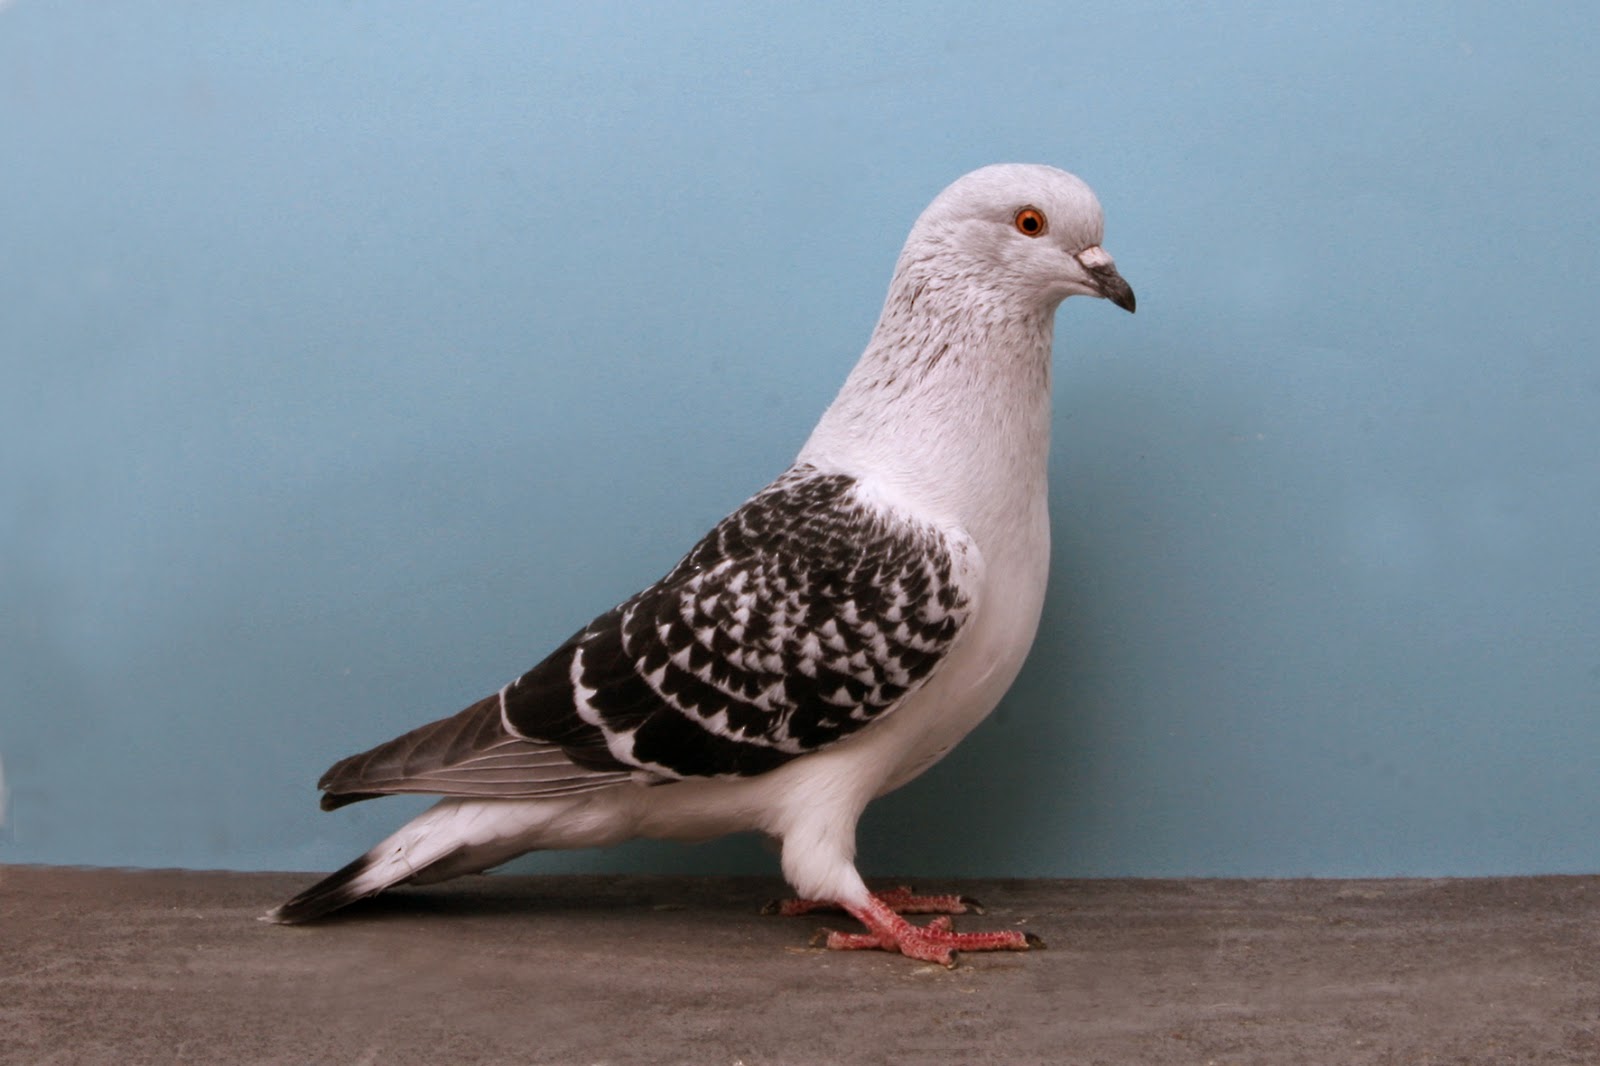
point(899, 899)
point(934, 942)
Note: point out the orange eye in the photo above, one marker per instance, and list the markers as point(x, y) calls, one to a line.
point(1030, 222)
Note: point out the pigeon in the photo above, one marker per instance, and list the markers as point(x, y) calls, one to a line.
point(828, 641)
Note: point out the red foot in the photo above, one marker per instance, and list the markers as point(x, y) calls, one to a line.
point(934, 942)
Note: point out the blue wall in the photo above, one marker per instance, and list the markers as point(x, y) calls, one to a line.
point(353, 355)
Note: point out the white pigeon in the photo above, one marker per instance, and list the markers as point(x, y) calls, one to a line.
point(825, 643)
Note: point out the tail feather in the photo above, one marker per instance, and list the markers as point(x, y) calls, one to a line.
point(454, 837)
point(357, 880)
point(437, 835)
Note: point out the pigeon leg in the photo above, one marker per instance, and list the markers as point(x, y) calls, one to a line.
point(934, 942)
point(901, 900)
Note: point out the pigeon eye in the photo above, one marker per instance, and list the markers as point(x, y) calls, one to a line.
point(1030, 222)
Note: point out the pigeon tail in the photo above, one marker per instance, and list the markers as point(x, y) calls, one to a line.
point(357, 880)
point(449, 839)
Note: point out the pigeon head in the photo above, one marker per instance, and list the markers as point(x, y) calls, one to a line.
point(1031, 231)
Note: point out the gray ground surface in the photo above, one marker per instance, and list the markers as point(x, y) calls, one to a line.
point(171, 966)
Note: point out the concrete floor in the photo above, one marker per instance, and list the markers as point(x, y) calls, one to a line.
point(170, 966)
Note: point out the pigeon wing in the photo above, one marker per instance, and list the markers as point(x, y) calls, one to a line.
point(799, 619)
point(468, 754)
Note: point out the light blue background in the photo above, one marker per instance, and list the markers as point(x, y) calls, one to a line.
point(353, 355)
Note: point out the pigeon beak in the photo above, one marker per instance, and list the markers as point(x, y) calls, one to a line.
point(1103, 272)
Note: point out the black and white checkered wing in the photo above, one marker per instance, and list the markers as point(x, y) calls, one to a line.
point(799, 619)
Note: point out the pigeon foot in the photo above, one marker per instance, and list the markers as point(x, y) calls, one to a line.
point(936, 942)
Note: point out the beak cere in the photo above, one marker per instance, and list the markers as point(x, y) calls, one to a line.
point(1103, 272)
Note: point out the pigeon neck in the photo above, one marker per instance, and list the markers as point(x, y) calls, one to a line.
point(949, 407)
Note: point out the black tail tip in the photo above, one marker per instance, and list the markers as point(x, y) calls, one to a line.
point(326, 896)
